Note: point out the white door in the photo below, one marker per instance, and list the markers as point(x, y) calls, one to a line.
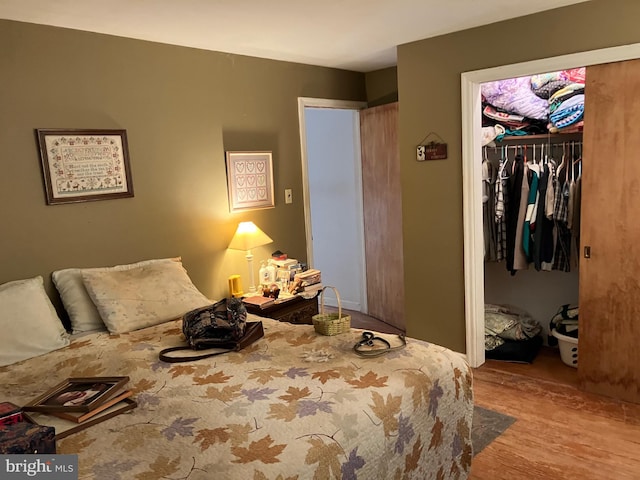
point(332, 182)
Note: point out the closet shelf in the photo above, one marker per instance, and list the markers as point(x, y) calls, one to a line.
point(551, 137)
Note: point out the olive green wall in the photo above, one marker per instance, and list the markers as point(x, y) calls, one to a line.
point(382, 86)
point(182, 109)
point(429, 95)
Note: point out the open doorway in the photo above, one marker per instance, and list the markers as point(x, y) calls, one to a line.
point(332, 191)
point(472, 174)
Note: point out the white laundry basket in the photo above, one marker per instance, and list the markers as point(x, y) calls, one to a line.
point(568, 348)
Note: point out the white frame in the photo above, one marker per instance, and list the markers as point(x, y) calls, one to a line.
point(250, 181)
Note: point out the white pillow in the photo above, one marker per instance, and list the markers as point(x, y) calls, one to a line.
point(143, 296)
point(82, 312)
point(29, 323)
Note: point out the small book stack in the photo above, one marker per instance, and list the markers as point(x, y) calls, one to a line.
point(259, 301)
point(78, 403)
point(308, 281)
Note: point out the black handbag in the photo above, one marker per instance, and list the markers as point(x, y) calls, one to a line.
point(222, 326)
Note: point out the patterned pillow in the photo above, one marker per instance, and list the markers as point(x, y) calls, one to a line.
point(82, 312)
point(143, 296)
point(29, 322)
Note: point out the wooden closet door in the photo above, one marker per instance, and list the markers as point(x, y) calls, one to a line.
point(382, 213)
point(609, 335)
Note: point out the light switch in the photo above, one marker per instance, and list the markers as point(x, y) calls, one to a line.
point(288, 196)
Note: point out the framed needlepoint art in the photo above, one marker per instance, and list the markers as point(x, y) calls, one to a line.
point(84, 165)
point(250, 180)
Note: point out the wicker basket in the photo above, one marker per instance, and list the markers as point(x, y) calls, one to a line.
point(331, 323)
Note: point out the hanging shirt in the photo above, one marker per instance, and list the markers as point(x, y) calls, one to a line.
point(514, 193)
point(530, 211)
point(501, 201)
point(520, 261)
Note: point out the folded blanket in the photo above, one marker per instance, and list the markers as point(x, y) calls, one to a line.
point(565, 92)
point(573, 128)
point(549, 88)
point(515, 95)
point(507, 323)
point(577, 75)
point(569, 112)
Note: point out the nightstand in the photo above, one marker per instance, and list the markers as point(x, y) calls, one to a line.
point(296, 310)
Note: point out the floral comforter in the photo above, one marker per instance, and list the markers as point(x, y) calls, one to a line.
point(293, 405)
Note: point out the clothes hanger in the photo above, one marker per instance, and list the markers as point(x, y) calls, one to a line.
point(504, 158)
point(573, 162)
point(562, 162)
point(578, 161)
point(533, 157)
point(534, 166)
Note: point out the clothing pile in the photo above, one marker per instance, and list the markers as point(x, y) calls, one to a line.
point(510, 334)
point(550, 102)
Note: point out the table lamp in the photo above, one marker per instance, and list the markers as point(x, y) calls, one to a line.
point(249, 236)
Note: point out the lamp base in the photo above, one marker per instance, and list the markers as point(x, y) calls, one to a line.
point(252, 286)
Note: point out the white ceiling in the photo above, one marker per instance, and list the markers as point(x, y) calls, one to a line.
point(359, 35)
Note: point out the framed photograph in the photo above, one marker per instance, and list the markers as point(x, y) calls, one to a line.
point(84, 165)
point(64, 427)
point(249, 180)
point(77, 395)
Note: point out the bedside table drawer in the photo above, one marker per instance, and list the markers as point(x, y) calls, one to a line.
point(298, 310)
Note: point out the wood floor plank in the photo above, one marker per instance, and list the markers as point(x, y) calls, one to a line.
point(561, 432)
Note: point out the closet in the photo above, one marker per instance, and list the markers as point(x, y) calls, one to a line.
point(604, 279)
point(537, 270)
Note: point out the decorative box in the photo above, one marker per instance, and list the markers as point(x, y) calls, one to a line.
point(9, 413)
point(27, 437)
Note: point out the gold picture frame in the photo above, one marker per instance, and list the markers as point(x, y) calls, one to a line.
point(250, 180)
point(84, 165)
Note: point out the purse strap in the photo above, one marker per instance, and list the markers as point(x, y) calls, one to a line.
point(369, 340)
point(253, 332)
point(187, 358)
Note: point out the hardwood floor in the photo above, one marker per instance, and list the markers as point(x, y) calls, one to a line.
point(360, 320)
point(561, 432)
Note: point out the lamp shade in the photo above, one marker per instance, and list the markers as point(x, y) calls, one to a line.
point(249, 236)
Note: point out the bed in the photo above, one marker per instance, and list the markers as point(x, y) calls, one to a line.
point(293, 405)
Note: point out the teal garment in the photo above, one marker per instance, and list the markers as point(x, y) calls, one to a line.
point(509, 133)
point(531, 200)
